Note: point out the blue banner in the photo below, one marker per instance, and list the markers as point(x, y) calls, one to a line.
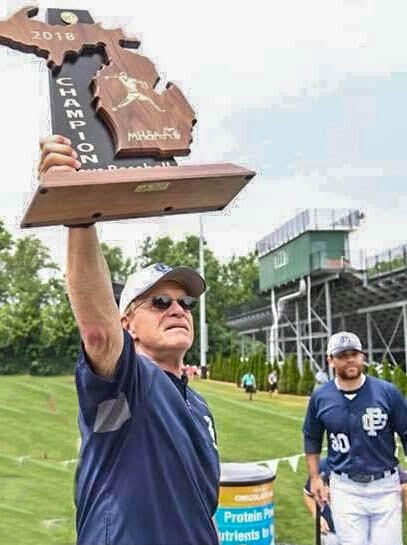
point(246, 526)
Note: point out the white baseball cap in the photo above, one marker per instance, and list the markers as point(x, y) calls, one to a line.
point(141, 281)
point(342, 341)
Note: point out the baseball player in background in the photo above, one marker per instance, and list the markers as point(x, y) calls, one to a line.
point(360, 415)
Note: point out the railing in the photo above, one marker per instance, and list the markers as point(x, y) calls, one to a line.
point(387, 261)
point(313, 219)
point(323, 260)
point(244, 308)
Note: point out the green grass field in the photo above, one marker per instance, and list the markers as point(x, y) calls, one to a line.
point(38, 443)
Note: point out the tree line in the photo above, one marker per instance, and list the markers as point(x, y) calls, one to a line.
point(290, 379)
point(394, 374)
point(38, 334)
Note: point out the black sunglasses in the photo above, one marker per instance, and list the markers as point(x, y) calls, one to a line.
point(163, 302)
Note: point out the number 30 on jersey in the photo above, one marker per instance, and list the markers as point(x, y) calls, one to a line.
point(339, 442)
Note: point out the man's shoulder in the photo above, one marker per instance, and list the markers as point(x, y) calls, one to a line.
point(380, 386)
point(324, 391)
point(200, 401)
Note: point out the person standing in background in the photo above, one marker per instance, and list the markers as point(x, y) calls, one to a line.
point(360, 415)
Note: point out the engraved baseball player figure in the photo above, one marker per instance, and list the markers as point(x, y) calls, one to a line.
point(133, 93)
point(360, 415)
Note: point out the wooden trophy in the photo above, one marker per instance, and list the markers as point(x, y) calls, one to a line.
point(125, 133)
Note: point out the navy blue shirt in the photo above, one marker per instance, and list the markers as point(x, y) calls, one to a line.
point(149, 466)
point(360, 431)
point(324, 472)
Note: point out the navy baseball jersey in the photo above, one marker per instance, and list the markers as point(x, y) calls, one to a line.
point(324, 472)
point(360, 426)
point(149, 466)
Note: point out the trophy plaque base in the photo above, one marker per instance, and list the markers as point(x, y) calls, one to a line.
point(101, 195)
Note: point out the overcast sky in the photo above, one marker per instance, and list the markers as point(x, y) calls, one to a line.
point(311, 95)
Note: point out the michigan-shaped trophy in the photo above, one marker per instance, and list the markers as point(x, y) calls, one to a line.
point(126, 134)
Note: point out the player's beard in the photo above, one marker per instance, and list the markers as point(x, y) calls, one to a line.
point(351, 373)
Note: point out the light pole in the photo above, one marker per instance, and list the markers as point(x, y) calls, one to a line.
point(202, 304)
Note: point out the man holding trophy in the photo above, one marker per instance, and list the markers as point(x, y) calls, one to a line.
point(149, 467)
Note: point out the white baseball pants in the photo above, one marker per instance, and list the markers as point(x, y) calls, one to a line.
point(366, 514)
point(329, 539)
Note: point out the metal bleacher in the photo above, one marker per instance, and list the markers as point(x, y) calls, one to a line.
point(364, 295)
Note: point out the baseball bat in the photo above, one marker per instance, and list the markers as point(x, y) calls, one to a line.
point(317, 524)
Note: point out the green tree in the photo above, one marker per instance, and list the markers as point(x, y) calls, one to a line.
point(119, 266)
point(386, 371)
point(259, 359)
point(240, 279)
point(216, 366)
point(30, 272)
point(399, 379)
point(37, 328)
point(235, 362)
point(306, 382)
point(276, 368)
point(240, 372)
point(293, 374)
point(59, 335)
point(6, 244)
point(283, 380)
point(257, 369)
point(372, 371)
point(267, 370)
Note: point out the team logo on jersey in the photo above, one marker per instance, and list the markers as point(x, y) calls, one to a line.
point(374, 420)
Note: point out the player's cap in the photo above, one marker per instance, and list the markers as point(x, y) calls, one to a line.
point(141, 281)
point(342, 341)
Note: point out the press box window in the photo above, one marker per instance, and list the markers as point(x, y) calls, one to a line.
point(280, 259)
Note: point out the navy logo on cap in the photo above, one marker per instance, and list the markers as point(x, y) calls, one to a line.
point(344, 339)
point(160, 267)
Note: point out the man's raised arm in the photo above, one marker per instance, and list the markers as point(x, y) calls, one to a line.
point(87, 276)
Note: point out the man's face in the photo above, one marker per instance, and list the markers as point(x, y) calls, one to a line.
point(348, 364)
point(161, 332)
